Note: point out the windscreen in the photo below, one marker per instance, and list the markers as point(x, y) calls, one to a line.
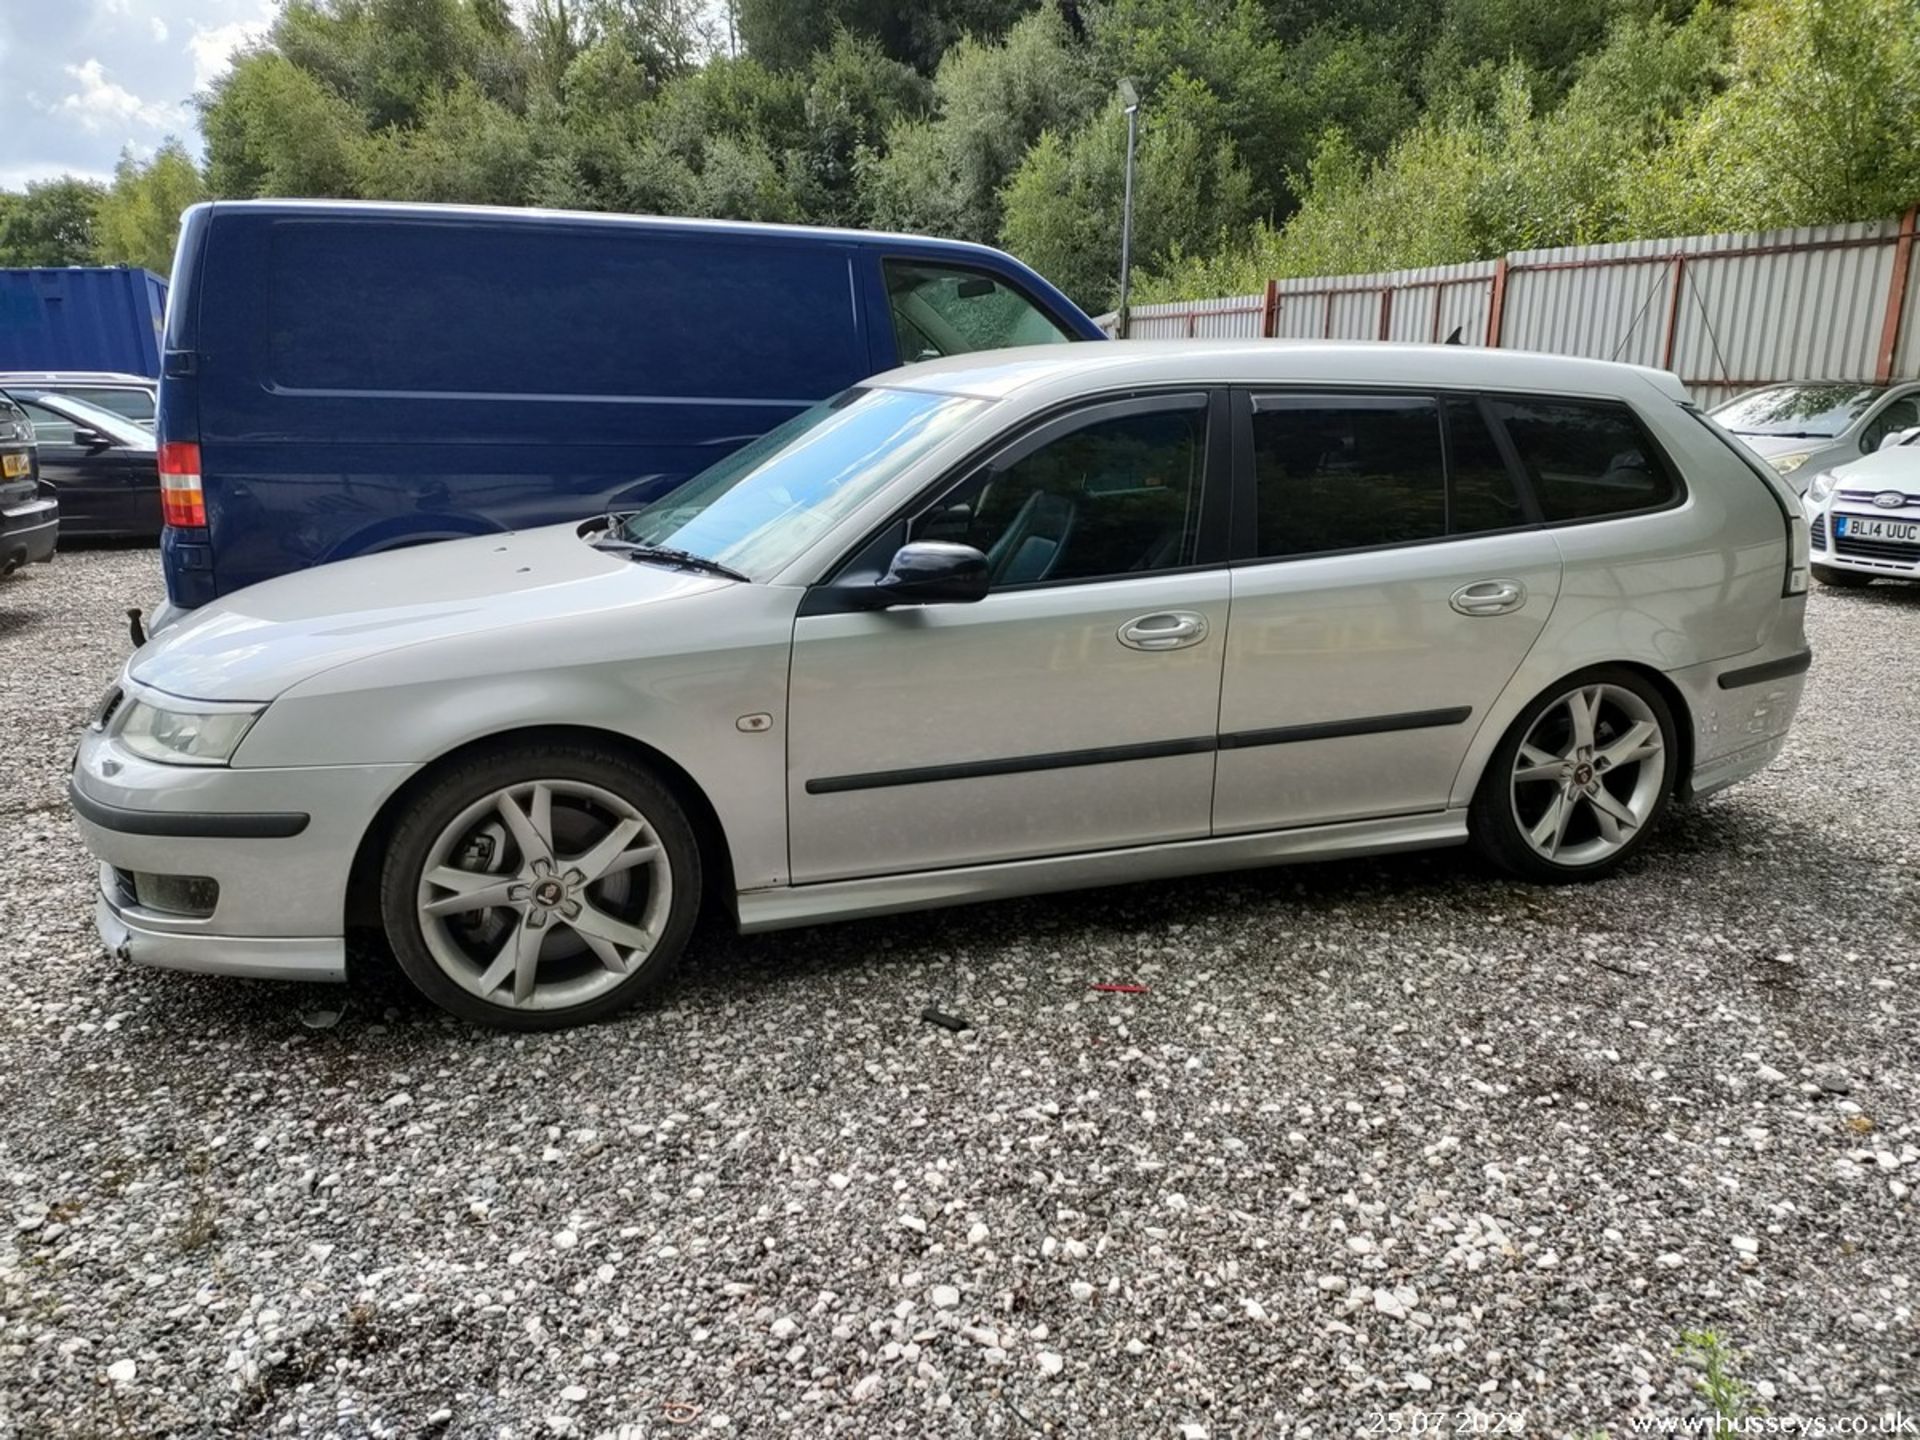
point(1813, 412)
point(758, 509)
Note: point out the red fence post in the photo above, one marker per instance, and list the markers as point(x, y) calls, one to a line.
point(1270, 311)
point(1896, 297)
point(1496, 309)
point(1673, 310)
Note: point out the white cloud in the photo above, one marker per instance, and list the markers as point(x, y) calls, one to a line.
point(101, 103)
point(212, 48)
point(159, 28)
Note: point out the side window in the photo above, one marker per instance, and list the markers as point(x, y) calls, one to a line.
point(1115, 497)
point(940, 310)
point(48, 428)
point(136, 405)
point(1897, 415)
point(1480, 492)
point(1586, 458)
point(1346, 472)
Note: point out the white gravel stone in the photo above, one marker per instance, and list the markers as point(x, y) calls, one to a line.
point(121, 1372)
point(944, 1297)
point(1050, 1363)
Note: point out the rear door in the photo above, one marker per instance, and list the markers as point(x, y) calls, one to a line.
point(1399, 579)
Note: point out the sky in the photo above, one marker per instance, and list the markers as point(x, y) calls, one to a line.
point(83, 80)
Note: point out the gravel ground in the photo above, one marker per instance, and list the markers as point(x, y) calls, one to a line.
point(1382, 1139)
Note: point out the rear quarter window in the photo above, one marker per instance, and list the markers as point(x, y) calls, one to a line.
point(440, 308)
point(1586, 458)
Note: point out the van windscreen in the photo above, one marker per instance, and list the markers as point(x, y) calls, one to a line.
point(457, 308)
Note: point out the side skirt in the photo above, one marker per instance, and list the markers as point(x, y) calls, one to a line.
point(784, 906)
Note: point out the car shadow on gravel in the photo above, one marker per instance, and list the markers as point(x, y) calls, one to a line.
point(1378, 893)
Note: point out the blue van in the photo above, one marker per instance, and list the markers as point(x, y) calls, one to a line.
point(340, 378)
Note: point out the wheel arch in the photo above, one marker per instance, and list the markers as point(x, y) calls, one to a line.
point(363, 877)
point(1466, 785)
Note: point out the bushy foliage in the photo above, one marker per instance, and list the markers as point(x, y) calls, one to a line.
point(1277, 137)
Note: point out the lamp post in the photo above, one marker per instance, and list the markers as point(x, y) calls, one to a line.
point(1131, 98)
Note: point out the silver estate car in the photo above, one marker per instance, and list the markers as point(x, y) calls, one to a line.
point(998, 624)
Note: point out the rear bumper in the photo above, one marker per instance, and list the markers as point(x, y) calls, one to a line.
point(1742, 708)
point(28, 533)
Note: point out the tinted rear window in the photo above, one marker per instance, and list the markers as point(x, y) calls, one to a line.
point(1586, 458)
point(516, 310)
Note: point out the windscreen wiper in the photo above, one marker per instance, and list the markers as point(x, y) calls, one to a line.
point(666, 555)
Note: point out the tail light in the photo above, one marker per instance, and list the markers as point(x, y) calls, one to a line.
point(181, 500)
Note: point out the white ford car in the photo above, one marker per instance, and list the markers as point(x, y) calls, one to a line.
point(1010, 622)
point(1865, 517)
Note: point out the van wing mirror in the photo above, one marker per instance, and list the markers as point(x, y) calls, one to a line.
point(933, 572)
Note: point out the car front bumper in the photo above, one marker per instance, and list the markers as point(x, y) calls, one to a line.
point(279, 844)
point(1889, 561)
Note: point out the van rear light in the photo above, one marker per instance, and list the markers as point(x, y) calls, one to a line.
point(181, 500)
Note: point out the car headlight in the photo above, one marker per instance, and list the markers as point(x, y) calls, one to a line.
point(1787, 464)
point(186, 736)
point(1822, 486)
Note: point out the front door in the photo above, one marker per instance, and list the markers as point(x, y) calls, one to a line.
point(1396, 591)
point(1070, 710)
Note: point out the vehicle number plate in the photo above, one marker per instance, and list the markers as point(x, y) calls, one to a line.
point(12, 465)
point(1862, 527)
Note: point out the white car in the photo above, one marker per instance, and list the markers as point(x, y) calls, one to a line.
point(1865, 517)
point(1016, 621)
point(1805, 427)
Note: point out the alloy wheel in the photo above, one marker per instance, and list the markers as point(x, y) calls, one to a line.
point(1589, 775)
point(544, 894)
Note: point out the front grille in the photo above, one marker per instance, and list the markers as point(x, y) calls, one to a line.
point(1818, 531)
point(1877, 550)
point(1869, 496)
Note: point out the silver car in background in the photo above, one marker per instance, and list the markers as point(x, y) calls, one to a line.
point(987, 626)
point(1808, 426)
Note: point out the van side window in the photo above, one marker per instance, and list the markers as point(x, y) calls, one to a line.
point(1116, 497)
point(1345, 472)
point(1586, 458)
point(945, 310)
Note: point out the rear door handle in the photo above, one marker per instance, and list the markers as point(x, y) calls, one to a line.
point(1167, 630)
point(1490, 597)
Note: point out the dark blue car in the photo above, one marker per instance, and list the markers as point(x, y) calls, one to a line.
point(345, 378)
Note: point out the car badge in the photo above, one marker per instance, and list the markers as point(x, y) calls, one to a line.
point(1890, 499)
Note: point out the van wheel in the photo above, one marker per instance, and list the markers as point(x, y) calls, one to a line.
point(1580, 779)
point(1841, 579)
point(541, 887)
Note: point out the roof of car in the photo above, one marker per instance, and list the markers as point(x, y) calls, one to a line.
point(75, 377)
point(999, 374)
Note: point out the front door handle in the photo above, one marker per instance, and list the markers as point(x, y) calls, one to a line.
point(1490, 597)
point(1167, 630)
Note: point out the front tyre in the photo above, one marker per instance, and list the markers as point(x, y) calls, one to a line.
point(541, 887)
point(1580, 779)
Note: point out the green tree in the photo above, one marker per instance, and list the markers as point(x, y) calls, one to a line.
point(944, 175)
point(1063, 205)
point(786, 34)
point(1816, 124)
point(52, 222)
point(273, 128)
point(139, 216)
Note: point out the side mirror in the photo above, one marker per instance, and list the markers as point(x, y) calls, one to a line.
point(92, 441)
point(933, 572)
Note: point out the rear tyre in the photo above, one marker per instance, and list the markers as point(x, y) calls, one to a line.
point(1841, 579)
point(1580, 779)
point(541, 887)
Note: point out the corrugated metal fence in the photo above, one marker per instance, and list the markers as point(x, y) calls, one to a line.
point(1726, 312)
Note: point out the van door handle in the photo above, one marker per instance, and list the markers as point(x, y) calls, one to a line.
point(1168, 630)
point(1490, 597)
